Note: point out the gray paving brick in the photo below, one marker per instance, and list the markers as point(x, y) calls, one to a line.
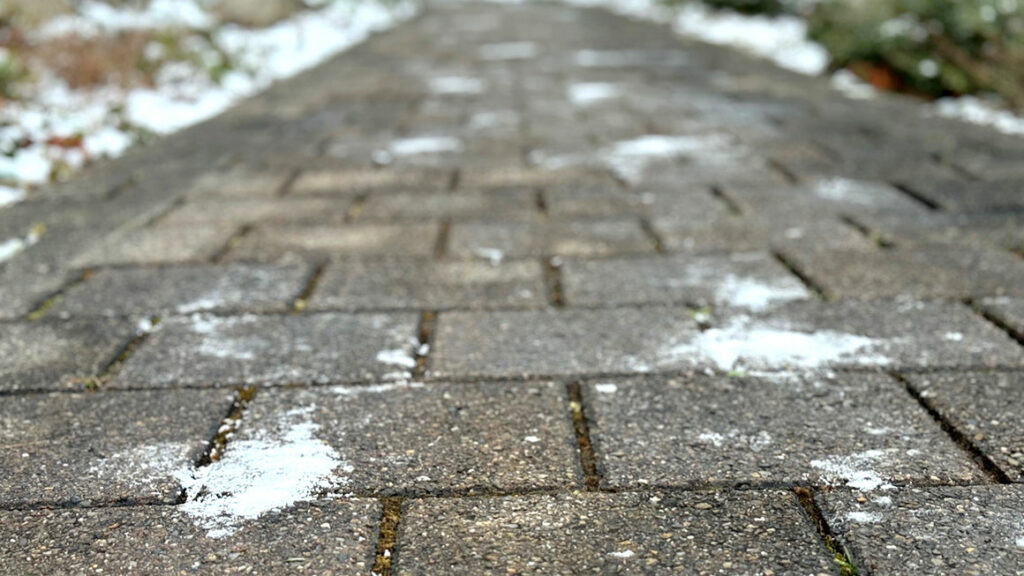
point(743, 280)
point(239, 182)
point(863, 430)
point(986, 408)
point(918, 272)
point(956, 195)
point(285, 243)
point(735, 233)
point(694, 533)
point(1004, 230)
point(415, 439)
point(248, 212)
point(338, 537)
point(941, 531)
point(597, 202)
point(504, 204)
point(827, 196)
point(204, 350)
point(430, 285)
point(184, 290)
point(568, 238)
point(1008, 311)
point(109, 447)
point(156, 246)
point(53, 355)
point(354, 181)
point(505, 344)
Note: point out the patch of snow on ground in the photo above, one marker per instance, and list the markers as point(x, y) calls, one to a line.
point(456, 85)
point(748, 343)
point(425, 145)
point(13, 246)
point(96, 18)
point(855, 471)
point(756, 442)
point(262, 472)
point(587, 93)
point(606, 388)
point(141, 466)
point(758, 295)
point(623, 554)
point(861, 517)
point(977, 111)
point(850, 85)
point(850, 191)
point(397, 357)
point(493, 255)
point(10, 195)
point(630, 158)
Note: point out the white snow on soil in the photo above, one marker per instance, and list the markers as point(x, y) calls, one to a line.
point(262, 472)
point(585, 94)
point(855, 471)
point(747, 343)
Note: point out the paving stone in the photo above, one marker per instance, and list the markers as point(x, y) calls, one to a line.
point(428, 285)
point(592, 533)
point(534, 343)
point(943, 531)
point(184, 290)
point(861, 430)
point(1008, 311)
point(955, 195)
point(515, 175)
point(918, 272)
point(986, 408)
point(808, 335)
point(594, 203)
point(826, 196)
point(156, 246)
point(414, 439)
point(736, 233)
point(743, 280)
point(338, 537)
point(249, 212)
point(568, 238)
point(239, 182)
point(127, 447)
point(355, 181)
point(1005, 230)
point(54, 355)
point(275, 349)
point(504, 204)
point(288, 243)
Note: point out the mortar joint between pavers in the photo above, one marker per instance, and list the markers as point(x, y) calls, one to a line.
point(552, 271)
point(873, 236)
point(244, 395)
point(235, 239)
point(387, 535)
point(46, 304)
point(286, 186)
point(454, 179)
point(652, 235)
point(995, 320)
point(976, 454)
point(425, 331)
point(356, 207)
point(802, 275)
point(719, 193)
point(919, 198)
point(840, 553)
point(441, 242)
point(301, 302)
point(782, 170)
point(581, 427)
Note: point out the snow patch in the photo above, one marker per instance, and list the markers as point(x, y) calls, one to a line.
point(850, 191)
point(748, 343)
point(606, 388)
point(850, 85)
point(397, 357)
point(623, 554)
point(861, 517)
point(425, 145)
point(9, 196)
point(456, 85)
point(976, 111)
point(492, 255)
point(757, 295)
point(629, 158)
point(756, 442)
point(584, 94)
point(854, 471)
point(261, 473)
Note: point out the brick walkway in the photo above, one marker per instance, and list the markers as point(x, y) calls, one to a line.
point(524, 289)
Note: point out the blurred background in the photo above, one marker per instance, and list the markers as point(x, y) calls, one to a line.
point(86, 79)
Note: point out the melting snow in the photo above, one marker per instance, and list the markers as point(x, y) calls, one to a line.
point(587, 93)
point(606, 388)
point(977, 111)
point(425, 145)
point(397, 357)
point(493, 255)
point(456, 85)
point(854, 471)
point(630, 158)
point(757, 295)
point(756, 442)
point(862, 192)
point(623, 554)
point(261, 473)
point(862, 517)
point(10, 196)
point(13, 246)
point(851, 86)
point(748, 343)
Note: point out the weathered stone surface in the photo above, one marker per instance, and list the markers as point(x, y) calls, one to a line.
point(743, 234)
point(259, 211)
point(826, 197)
point(331, 182)
point(108, 447)
point(564, 238)
point(337, 537)
point(156, 246)
point(1008, 311)
point(204, 350)
point(744, 280)
point(986, 408)
point(1000, 195)
point(698, 533)
point(534, 343)
point(184, 290)
point(919, 272)
point(943, 531)
point(355, 285)
point(837, 429)
point(239, 182)
point(512, 204)
point(414, 438)
point(1001, 230)
point(53, 355)
point(283, 243)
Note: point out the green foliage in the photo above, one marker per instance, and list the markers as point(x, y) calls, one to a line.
point(12, 71)
point(933, 47)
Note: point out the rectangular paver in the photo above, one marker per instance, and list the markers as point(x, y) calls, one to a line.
point(355, 181)
point(504, 204)
point(523, 239)
point(986, 408)
point(337, 537)
point(281, 243)
point(156, 246)
point(248, 212)
point(854, 429)
point(943, 531)
point(64, 449)
point(753, 281)
point(274, 349)
point(54, 355)
point(414, 438)
point(185, 290)
point(430, 285)
point(694, 533)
